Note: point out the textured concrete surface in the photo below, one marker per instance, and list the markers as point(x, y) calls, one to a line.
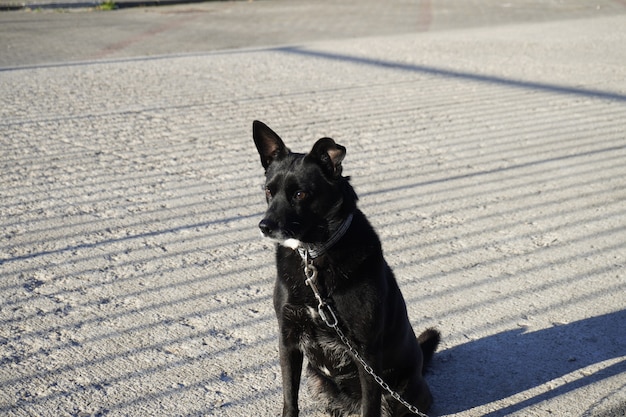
point(79, 34)
point(490, 158)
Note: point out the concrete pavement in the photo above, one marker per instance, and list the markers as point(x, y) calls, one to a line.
point(490, 158)
point(78, 34)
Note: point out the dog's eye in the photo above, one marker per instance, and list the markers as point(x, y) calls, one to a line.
point(299, 195)
point(268, 193)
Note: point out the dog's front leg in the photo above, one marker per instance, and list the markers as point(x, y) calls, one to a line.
point(371, 396)
point(291, 360)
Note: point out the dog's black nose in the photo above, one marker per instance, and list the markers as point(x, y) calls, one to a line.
point(267, 227)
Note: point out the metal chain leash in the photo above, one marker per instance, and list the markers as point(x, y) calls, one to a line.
point(329, 317)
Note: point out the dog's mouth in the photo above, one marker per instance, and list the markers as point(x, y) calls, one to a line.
point(290, 242)
point(286, 237)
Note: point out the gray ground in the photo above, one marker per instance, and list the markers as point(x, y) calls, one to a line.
point(487, 145)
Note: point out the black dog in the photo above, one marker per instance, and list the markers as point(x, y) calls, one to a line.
point(312, 213)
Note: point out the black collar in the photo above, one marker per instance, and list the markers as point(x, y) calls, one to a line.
point(315, 250)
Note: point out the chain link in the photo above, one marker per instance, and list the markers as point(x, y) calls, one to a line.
point(327, 314)
point(377, 378)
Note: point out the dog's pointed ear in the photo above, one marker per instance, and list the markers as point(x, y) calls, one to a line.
point(268, 143)
point(329, 155)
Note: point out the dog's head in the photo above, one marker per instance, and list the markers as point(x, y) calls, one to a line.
point(307, 196)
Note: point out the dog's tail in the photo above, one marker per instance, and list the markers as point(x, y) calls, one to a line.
point(428, 341)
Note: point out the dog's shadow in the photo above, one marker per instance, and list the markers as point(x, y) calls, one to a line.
point(508, 363)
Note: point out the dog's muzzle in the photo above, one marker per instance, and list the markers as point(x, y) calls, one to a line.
point(268, 227)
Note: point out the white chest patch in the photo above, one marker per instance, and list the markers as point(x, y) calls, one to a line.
point(292, 243)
